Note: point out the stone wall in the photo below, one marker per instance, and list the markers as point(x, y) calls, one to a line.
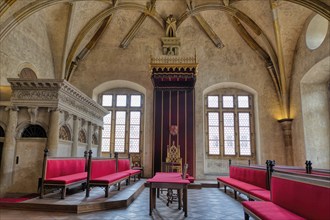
point(307, 61)
point(27, 45)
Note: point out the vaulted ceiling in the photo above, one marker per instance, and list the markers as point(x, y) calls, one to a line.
point(99, 32)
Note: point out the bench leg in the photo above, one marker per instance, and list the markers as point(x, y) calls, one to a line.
point(246, 216)
point(235, 194)
point(225, 188)
point(218, 185)
point(118, 186)
point(63, 192)
point(107, 191)
point(42, 191)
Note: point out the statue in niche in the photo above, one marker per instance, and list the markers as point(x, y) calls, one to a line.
point(170, 26)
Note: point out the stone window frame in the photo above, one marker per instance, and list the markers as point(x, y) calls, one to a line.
point(230, 92)
point(127, 109)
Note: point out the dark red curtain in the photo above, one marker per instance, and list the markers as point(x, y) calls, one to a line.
point(174, 107)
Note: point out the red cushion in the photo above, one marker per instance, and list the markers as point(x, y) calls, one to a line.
point(132, 172)
point(248, 175)
point(307, 200)
point(101, 168)
point(108, 179)
point(262, 194)
point(268, 210)
point(239, 184)
point(68, 178)
point(64, 167)
point(191, 179)
point(123, 164)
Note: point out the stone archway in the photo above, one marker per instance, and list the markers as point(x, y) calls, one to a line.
point(315, 99)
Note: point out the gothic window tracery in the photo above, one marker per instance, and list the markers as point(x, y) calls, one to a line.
point(82, 137)
point(34, 131)
point(65, 133)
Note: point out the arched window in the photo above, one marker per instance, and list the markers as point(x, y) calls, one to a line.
point(65, 133)
point(34, 131)
point(123, 125)
point(229, 123)
point(82, 137)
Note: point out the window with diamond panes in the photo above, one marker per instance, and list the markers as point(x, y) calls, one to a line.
point(107, 100)
point(227, 101)
point(229, 128)
point(243, 101)
point(122, 126)
point(244, 133)
point(135, 100)
point(229, 133)
point(120, 131)
point(121, 100)
point(106, 132)
point(134, 132)
point(214, 138)
point(213, 101)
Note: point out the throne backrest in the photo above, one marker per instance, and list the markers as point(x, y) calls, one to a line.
point(173, 154)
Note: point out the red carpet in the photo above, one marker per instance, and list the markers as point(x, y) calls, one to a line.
point(19, 199)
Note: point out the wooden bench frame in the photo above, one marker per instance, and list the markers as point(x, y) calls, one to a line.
point(62, 186)
point(107, 186)
point(296, 177)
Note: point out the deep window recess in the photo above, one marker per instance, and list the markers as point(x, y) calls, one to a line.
point(34, 131)
point(123, 126)
point(229, 124)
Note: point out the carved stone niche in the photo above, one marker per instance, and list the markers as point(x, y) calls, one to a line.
point(171, 45)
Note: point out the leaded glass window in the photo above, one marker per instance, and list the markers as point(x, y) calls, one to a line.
point(134, 135)
point(122, 127)
point(214, 138)
point(106, 132)
point(229, 123)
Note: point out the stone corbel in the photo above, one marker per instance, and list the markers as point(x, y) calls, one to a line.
point(67, 117)
point(287, 134)
point(33, 112)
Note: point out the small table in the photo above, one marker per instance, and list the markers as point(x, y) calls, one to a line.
point(169, 181)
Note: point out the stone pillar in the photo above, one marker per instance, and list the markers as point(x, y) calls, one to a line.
point(287, 132)
point(8, 153)
point(89, 136)
point(99, 148)
point(74, 148)
point(53, 132)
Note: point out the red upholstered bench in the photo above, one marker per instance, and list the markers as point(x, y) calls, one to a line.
point(251, 181)
point(63, 173)
point(293, 196)
point(124, 165)
point(102, 173)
